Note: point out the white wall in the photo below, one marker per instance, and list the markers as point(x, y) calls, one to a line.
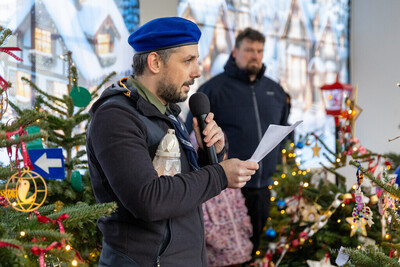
point(375, 67)
point(151, 9)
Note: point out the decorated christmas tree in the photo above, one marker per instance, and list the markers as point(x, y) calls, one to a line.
point(39, 224)
point(313, 216)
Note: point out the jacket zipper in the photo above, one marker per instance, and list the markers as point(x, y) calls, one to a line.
point(163, 246)
point(257, 113)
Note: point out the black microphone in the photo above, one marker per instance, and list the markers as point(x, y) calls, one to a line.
point(200, 107)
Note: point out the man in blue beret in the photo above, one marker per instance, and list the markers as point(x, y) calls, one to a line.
point(159, 218)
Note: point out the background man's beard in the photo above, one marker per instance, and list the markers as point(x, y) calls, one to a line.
point(253, 70)
point(169, 93)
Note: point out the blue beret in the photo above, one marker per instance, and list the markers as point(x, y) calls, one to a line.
point(163, 33)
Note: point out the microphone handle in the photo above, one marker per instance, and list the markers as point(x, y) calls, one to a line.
point(211, 154)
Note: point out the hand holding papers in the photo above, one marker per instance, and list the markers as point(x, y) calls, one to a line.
point(272, 137)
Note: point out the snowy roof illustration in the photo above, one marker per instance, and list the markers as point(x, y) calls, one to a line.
point(93, 13)
point(307, 12)
point(66, 19)
point(206, 14)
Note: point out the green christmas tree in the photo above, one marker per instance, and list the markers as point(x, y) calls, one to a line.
point(312, 217)
point(55, 232)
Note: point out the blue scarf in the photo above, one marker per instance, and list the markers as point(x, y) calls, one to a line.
point(183, 138)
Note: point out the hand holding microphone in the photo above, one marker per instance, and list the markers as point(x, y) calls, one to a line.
point(209, 135)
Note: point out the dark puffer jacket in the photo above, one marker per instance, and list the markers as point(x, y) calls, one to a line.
point(244, 110)
point(159, 219)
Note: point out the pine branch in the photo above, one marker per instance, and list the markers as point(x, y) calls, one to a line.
point(323, 144)
point(70, 104)
point(4, 35)
point(54, 122)
point(33, 86)
point(5, 174)
point(80, 154)
point(14, 107)
point(50, 234)
point(370, 257)
point(74, 76)
point(80, 118)
point(4, 142)
point(83, 212)
point(52, 107)
point(393, 191)
point(94, 93)
point(27, 118)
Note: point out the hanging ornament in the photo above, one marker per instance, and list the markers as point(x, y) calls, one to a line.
point(281, 204)
point(80, 96)
point(357, 226)
point(361, 212)
point(30, 190)
point(300, 145)
point(325, 262)
point(309, 213)
point(316, 150)
point(270, 233)
point(76, 181)
point(3, 102)
point(34, 144)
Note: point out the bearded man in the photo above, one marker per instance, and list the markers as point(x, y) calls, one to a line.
point(159, 221)
point(245, 103)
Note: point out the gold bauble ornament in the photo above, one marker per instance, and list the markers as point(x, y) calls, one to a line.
point(30, 190)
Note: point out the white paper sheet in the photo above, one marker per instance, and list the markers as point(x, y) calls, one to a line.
point(272, 137)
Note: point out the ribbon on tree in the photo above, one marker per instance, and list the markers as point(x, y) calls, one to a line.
point(25, 156)
point(8, 50)
point(40, 251)
point(44, 219)
point(5, 244)
point(3, 201)
point(3, 83)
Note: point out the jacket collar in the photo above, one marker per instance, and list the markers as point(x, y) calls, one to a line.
point(232, 70)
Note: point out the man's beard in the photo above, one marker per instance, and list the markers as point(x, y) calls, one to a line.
point(169, 92)
point(253, 70)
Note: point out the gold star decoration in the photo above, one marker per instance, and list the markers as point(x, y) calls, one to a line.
point(357, 226)
point(356, 111)
point(316, 150)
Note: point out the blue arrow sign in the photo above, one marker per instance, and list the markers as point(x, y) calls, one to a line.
point(48, 162)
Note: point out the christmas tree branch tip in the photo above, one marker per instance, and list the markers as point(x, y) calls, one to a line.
point(378, 182)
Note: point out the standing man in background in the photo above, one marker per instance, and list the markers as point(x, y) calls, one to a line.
point(245, 103)
point(159, 221)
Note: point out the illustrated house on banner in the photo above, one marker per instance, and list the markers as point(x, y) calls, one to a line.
point(45, 30)
point(100, 30)
point(298, 39)
point(217, 39)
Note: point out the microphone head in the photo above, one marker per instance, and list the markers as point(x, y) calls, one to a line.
point(199, 104)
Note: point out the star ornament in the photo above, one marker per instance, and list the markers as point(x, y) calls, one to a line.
point(357, 226)
point(316, 150)
point(355, 111)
